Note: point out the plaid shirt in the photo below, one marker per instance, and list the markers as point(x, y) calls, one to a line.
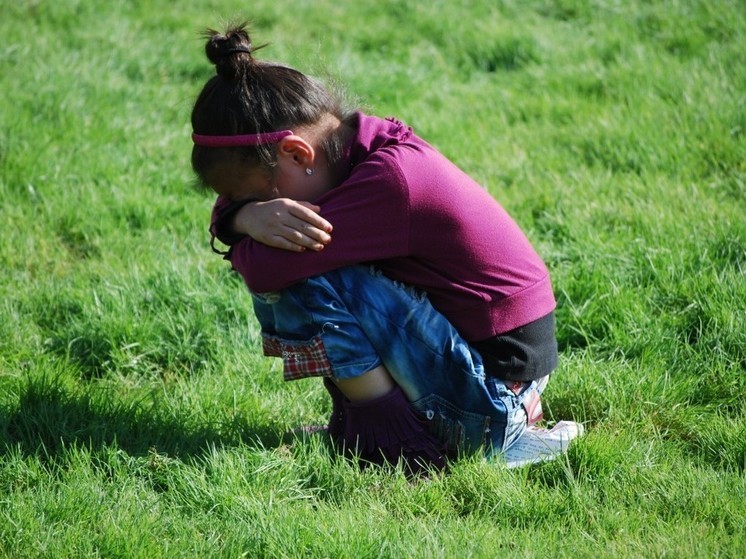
point(299, 359)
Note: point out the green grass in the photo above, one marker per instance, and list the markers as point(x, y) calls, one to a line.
point(137, 416)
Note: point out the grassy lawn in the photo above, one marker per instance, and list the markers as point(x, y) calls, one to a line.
point(137, 415)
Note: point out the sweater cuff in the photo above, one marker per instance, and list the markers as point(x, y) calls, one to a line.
point(223, 213)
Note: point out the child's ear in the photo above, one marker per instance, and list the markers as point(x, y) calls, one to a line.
point(296, 150)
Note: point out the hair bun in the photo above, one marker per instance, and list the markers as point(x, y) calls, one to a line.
point(229, 51)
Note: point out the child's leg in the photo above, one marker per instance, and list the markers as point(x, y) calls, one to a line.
point(350, 321)
point(311, 329)
point(372, 384)
point(441, 374)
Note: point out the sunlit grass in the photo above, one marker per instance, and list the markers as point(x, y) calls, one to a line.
point(137, 416)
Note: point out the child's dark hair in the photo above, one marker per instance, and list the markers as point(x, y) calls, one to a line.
point(248, 96)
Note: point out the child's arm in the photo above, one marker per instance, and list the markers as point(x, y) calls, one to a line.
point(371, 218)
point(284, 223)
point(281, 223)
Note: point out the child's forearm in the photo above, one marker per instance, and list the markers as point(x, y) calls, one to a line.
point(283, 223)
point(224, 225)
point(236, 223)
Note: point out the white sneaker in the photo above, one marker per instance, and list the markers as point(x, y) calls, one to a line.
point(538, 444)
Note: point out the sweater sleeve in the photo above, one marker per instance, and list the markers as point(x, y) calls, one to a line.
point(223, 212)
point(370, 215)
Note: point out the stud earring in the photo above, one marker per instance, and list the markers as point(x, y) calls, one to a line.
point(309, 171)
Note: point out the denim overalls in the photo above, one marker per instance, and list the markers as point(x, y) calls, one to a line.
point(348, 321)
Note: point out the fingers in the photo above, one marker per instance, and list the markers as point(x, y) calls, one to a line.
point(286, 244)
point(287, 224)
point(305, 229)
point(309, 213)
point(305, 236)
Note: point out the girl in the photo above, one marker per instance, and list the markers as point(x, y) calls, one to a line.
point(454, 363)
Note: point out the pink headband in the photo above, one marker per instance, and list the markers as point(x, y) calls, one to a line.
point(240, 140)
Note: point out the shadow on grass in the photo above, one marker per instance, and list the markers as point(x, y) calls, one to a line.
point(50, 417)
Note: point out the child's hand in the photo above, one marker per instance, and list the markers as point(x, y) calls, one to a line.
point(284, 223)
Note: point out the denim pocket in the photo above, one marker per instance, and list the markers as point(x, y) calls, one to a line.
point(460, 430)
point(300, 358)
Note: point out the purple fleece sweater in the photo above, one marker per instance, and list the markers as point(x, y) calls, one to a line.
point(407, 209)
